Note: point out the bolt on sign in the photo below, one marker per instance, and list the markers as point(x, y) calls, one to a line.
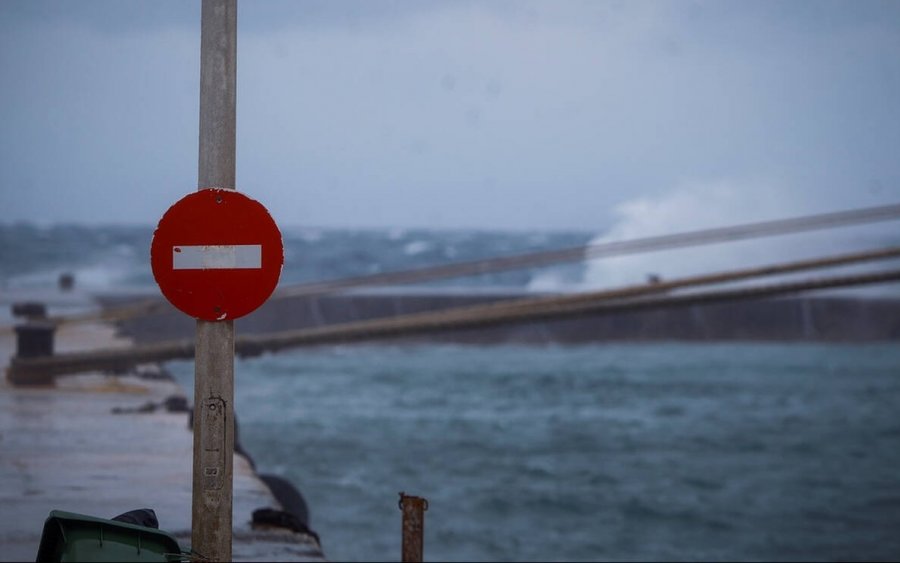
point(217, 254)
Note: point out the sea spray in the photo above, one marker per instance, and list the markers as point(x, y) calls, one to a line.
point(699, 206)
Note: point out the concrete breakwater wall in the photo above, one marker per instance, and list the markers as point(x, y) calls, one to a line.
point(831, 319)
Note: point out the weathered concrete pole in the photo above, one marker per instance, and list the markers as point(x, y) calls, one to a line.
point(214, 356)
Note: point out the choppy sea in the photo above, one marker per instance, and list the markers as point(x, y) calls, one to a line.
point(667, 451)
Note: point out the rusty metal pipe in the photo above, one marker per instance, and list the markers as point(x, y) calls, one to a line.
point(413, 509)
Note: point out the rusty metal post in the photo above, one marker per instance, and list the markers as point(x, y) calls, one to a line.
point(413, 509)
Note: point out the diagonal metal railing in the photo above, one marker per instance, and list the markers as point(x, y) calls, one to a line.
point(639, 297)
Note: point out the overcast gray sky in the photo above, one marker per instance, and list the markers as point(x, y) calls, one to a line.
point(522, 115)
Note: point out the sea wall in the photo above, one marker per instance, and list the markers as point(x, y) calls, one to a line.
point(831, 319)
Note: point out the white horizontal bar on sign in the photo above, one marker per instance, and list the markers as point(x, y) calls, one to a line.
point(217, 257)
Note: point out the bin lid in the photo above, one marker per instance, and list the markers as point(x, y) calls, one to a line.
point(68, 536)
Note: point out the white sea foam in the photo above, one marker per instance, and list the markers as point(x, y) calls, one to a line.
point(416, 247)
point(310, 235)
point(550, 282)
point(700, 206)
point(93, 277)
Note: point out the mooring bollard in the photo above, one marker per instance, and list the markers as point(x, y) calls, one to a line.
point(413, 527)
point(34, 339)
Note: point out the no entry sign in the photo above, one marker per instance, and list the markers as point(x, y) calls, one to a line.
point(217, 254)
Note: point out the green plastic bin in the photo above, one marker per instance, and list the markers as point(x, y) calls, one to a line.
point(76, 537)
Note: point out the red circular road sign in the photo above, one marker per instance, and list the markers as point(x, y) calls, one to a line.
point(217, 254)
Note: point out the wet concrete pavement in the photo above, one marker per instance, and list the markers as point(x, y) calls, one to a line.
point(102, 445)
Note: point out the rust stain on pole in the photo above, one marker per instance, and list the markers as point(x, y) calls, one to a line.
point(413, 509)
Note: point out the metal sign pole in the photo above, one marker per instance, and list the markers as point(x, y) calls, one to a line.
point(211, 526)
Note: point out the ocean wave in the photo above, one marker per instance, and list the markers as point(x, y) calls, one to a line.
point(416, 247)
point(697, 206)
